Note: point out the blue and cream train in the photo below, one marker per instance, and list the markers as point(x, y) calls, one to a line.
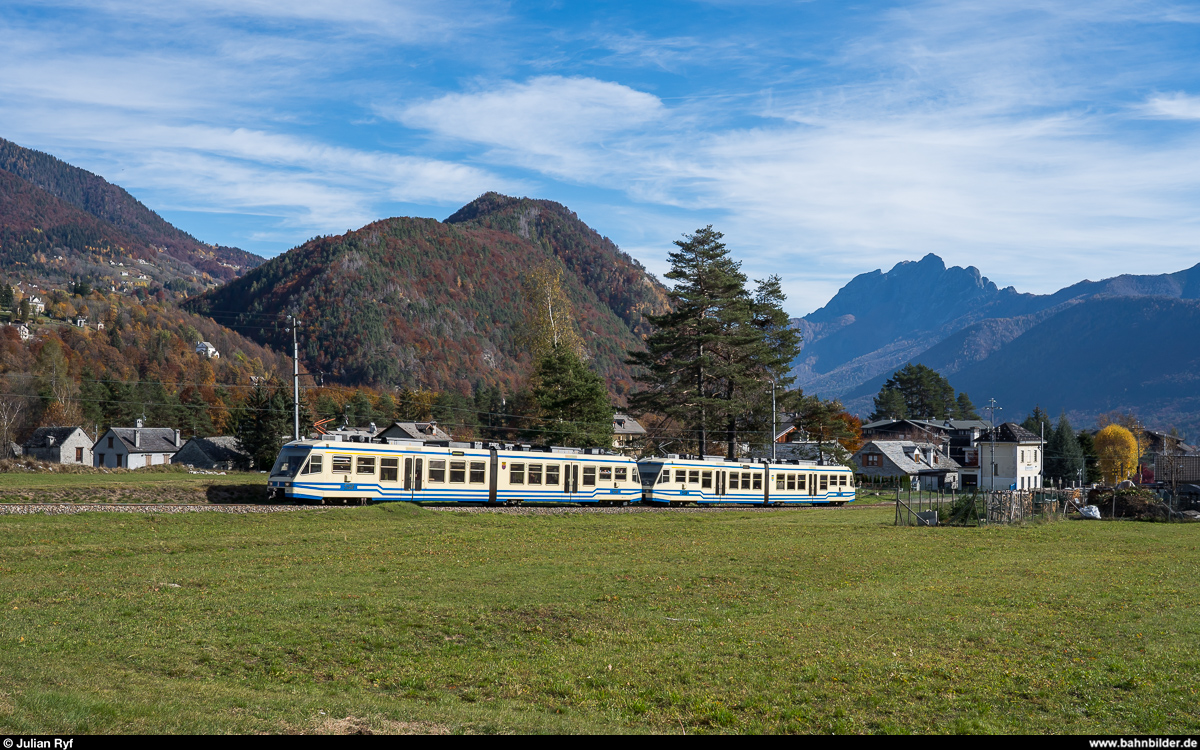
point(345, 473)
point(681, 481)
point(327, 472)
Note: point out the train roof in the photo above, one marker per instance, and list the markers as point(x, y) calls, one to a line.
point(741, 462)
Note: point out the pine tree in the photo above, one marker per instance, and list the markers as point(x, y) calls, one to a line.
point(1064, 457)
point(965, 409)
point(710, 361)
point(889, 404)
point(573, 401)
point(1038, 422)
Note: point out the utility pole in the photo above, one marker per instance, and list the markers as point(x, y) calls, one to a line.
point(774, 415)
point(992, 418)
point(295, 378)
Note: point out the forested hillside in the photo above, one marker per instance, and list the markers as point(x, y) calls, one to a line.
point(141, 229)
point(416, 302)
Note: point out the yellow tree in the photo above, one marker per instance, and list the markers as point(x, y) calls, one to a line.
point(552, 326)
point(1117, 450)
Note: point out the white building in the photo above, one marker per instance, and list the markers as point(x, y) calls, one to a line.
point(205, 349)
point(136, 447)
point(1017, 462)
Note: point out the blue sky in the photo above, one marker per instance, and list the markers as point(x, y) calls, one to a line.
point(1042, 142)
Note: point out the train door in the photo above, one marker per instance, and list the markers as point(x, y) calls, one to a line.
point(570, 486)
point(414, 473)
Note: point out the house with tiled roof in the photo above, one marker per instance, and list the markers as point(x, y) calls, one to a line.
point(59, 445)
point(136, 447)
point(920, 464)
point(223, 453)
point(411, 431)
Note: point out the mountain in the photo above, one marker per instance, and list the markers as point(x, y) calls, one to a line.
point(407, 301)
point(124, 224)
point(1023, 349)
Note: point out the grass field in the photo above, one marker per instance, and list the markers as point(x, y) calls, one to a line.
point(394, 618)
point(157, 485)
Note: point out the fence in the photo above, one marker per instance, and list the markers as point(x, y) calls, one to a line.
point(983, 508)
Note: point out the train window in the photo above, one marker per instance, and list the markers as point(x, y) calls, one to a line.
point(800, 482)
point(605, 473)
point(341, 464)
point(437, 471)
point(706, 479)
point(366, 465)
point(779, 481)
point(552, 474)
point(516, 474)
point(694, 476)
point(589, 476)
point(535, 473)
point(389, 469)
point(681, 476)
point(458, 472)
point(791, 481)
point(757, 480)
point(636, 478)
point(314, 465)
point(621, 474)
point(733, 480)
point(477, 472)
point(824, 482)
point(745, 480)
point(841, 480)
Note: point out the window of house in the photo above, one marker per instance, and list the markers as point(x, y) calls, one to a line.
point(110, 442)
point(79, 455)
point(100, 459)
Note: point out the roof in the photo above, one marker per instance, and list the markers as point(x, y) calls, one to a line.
point(41, 436)
point(154, 439)
point(902, 453)
point(967, 424)
point(414, 430)
point(623, 424)
point(219, 449)
point(1010, 432)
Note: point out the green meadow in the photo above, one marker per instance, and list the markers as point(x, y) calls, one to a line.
point(401, 619)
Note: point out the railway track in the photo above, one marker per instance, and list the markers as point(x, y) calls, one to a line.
point(60, 509)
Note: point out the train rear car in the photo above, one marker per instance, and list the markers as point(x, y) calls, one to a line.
point(713, 480)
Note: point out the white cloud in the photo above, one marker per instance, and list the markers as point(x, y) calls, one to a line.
point(573, 121)
point(1177, 106)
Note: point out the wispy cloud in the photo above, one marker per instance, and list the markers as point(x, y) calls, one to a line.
point(1178, 106)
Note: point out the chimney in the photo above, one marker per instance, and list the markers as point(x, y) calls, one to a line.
point(176, 438)
point(137, 434)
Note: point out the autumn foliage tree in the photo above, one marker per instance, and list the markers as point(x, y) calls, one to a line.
point(1118, 452)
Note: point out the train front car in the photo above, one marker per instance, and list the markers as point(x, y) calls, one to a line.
point(338, 473)
point(682, 481)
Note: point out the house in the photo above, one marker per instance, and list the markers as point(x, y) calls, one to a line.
point(36, 304)
point(224, 453)
point(964, 439)
point(205, 349)
point(59, 445)
point(81, 321)
point(410, 431)
point(920, 464)
point(626, 431)
point(22, 331)
point(136, 447)
point(1017, 460)
point(914, 430)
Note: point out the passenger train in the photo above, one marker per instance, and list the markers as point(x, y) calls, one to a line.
point(328, 472)
point(332, 472)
